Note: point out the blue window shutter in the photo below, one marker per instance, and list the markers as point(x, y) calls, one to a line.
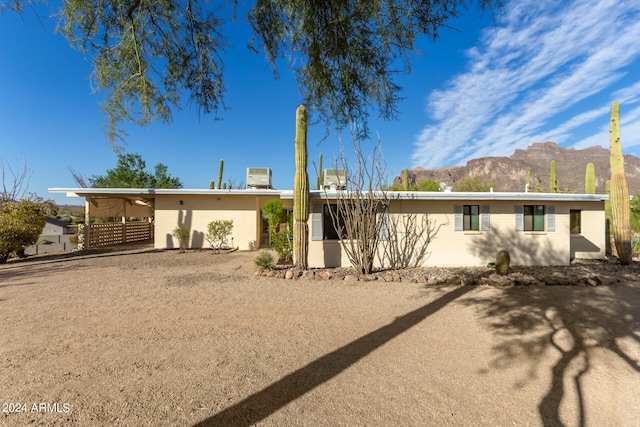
point(485, 223)
point(383, 226)
point(519, 211)
point(316, 221)
point(551, 218)
point(457, 218)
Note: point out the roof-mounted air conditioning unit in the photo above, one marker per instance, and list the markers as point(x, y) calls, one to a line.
point(335, 178)
point(259, 177)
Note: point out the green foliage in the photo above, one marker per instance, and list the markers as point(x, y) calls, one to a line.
point(147, 54)
point(20, 226)
point(218, 233)
point(346, 55)
point(280, 228)
point(182, 234)
point(503, 259)
point(472, 184)
point(130, 172)
point(264, 260)
point(635, 213)
point(421, 185)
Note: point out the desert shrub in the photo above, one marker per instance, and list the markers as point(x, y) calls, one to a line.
point(182, 234)
point(20, 226)
point(280, 229)
point(473, 184)
point(502, 262)
point(264, 260)
point(74, 239)
point(218, 233)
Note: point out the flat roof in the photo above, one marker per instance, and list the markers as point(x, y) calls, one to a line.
point(132, 192)
point(332, 194)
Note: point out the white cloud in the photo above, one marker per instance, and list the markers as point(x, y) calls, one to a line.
point(524, 77)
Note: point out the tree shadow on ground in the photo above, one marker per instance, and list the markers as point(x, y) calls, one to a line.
point(574, 320)
point(260, 405)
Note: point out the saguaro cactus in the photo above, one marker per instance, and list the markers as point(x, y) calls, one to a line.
point(301, 193)
point(211, 185)
point(220, 174)
point(553, 182)
point(620, 205)
point(528, 183)
point(320, 174)
point(590, 179)
point(405, 179)
point(607, 220)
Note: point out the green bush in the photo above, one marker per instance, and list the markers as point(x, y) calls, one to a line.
point(264, 260)
point(20, 226)
point(218, 233)
point(280, 228)
point(182, 234)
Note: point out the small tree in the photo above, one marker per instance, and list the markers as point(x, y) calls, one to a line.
point(218, 233)
point(280, 229)
point(20, 226)
point(182, 234)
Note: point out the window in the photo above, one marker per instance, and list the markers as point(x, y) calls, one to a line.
point(330, 231)
point(575, 221)
point(471, 217)
point(533, 217)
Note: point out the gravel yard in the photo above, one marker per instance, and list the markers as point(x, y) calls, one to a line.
point(163, 338)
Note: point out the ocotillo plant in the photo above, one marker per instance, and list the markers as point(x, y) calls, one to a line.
point(553, 182)
point(301, 193)
point(620, 205)
point(405, 179)
point(320, 174)
point(220, 174)
point(590, 179)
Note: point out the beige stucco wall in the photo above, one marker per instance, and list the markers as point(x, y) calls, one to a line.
point(591, 242)
point(197, 211)
point(477, 248)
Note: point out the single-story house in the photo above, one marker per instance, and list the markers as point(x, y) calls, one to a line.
point(467, 228)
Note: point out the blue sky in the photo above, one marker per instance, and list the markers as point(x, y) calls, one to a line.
point(544, 71)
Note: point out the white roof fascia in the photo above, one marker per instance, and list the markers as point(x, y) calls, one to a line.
point(83, 192)
point(454, 195)
point(332, 194)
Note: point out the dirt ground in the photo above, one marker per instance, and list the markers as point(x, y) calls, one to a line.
point(161, 338)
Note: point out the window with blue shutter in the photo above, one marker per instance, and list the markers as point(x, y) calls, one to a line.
point(551, 218)
point(519, 215)
point(485, 223)
point(457, 218)
point(316, 221)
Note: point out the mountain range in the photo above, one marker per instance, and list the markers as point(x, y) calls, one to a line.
point(510, 173)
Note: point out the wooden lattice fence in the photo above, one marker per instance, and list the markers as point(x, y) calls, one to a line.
point(113, 233)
